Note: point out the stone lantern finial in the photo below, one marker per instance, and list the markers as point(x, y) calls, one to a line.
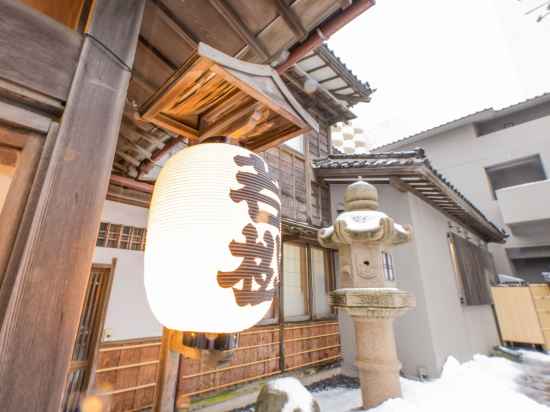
point(360, 196)
point(362, 234)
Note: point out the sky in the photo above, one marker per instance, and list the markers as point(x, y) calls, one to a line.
point(433, 61)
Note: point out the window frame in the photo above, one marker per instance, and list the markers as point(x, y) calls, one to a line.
point(509, 164)
point(467, 298)
point(388, 267)
point(330, 283)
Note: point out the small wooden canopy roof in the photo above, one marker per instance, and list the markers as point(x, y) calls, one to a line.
point(214, 94)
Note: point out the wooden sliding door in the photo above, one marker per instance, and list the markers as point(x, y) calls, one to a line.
point(88, 336)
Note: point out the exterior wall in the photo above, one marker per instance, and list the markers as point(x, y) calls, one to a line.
point(439, 326)
point(304, 199)
point(456, 329)
point(462, 158)
point(128, 314)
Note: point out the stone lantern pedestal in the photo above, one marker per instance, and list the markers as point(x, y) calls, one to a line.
point(362, 234)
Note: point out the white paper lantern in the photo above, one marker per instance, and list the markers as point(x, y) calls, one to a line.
point(213, 242)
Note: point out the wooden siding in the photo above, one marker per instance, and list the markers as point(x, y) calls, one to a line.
point(127, 372)
point(310, 344)
point(289, 170)
point(258, 356)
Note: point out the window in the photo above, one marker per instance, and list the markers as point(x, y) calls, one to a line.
point(515, 172)
point(295, 284)
point(121, 237)
point(320, 282)
point(475, 269)
point(306, 282)
point(389, 271)
point(297, 144)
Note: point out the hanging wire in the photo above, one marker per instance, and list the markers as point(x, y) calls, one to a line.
point(543, 8)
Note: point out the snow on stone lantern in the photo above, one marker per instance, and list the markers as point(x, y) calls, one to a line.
point(361, 234)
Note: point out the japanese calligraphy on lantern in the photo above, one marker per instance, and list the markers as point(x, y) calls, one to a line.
point(214, 240)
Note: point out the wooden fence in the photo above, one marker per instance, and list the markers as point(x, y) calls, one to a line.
point(127, 372)
point(260, 355)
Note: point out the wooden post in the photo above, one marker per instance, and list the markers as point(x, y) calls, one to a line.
point(40, 310)
point(167, 387)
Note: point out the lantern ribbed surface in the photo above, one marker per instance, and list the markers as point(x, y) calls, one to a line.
point(213, 241)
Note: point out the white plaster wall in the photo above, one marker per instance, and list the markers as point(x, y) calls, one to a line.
point(462, 158)
point(439, 326)
point(128, 313)
point(523, 203)
point(457, 330)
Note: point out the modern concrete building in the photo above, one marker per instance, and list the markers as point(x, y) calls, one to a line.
point(500, 160)
point(446, 266)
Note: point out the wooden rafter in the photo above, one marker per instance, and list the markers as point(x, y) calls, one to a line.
point(227, 12)
point(317, 68)
point(328, 79)
point(173, 22)
point(347, 86)
point(145, 43)
point(291, 19)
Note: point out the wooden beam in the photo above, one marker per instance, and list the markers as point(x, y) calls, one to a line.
point(132, 183)
point(148, 164)
point(36, 51)
point(396, 182)
point(42, 294)
point(317, 68)
point(328, 79)
point(292, 20)
point(227, 12)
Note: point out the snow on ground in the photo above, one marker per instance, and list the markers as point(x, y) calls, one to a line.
point(534, 356)
point(482, 385)
point(299, 397)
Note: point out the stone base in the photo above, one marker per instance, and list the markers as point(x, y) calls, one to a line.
point(373, 311)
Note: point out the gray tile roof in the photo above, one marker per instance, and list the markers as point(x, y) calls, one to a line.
point(412, 163)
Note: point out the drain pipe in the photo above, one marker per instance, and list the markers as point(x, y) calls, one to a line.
point(324, 31)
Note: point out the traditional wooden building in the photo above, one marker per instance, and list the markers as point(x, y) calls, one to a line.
point(81, 87)
point(299, 331)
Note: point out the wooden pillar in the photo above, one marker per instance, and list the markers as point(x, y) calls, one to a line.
point(40, 310)
point(165, 400)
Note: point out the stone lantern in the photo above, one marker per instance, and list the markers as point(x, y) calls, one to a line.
point(361, 234)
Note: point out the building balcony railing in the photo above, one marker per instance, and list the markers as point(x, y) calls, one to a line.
point(525, 203)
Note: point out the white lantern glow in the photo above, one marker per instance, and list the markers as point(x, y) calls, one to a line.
point(213, 242)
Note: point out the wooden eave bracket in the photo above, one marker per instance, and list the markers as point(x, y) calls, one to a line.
point(215, 94)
